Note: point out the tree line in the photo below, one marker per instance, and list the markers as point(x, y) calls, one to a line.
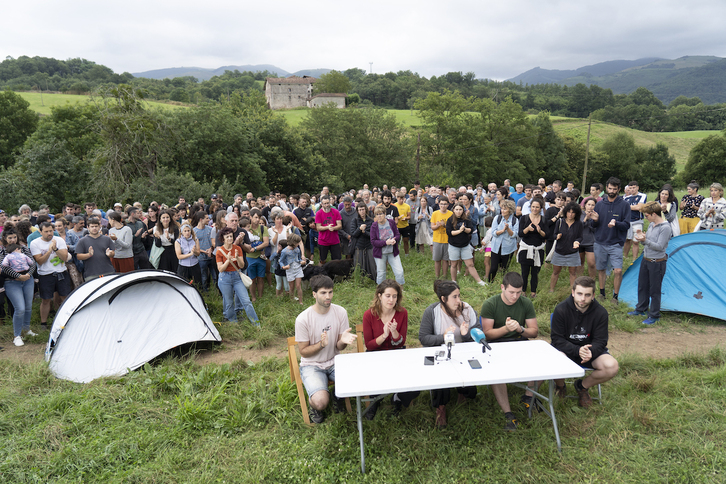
point(118, 148)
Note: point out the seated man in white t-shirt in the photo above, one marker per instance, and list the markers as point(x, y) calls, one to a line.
point(321, 332)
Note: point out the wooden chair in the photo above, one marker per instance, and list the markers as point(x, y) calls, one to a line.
point(293, 361)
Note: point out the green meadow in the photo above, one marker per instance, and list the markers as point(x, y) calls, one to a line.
point(180, 421)
point(41, 103)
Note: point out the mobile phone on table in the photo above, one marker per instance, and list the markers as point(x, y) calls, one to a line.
point(474, 364)
point(428, 360)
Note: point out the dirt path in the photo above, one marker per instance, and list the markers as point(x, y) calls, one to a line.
point(652, 342)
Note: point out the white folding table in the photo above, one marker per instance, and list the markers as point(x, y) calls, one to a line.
point(369, 373)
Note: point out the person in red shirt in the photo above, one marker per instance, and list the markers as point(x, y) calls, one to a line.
point(385, 325)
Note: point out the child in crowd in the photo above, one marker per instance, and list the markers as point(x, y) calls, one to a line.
point(486, 246)
point(16, 260)
point(280, 273)
point(292, 261)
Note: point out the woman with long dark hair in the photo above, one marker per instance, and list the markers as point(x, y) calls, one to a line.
point(669, 208)
point(568, 237)
point(165, 233)
point(533, 238)
point(448, 315)
point(230, 261)
point(385, 324)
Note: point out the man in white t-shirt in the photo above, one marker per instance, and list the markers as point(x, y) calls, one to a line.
point(50, 253)
point(321, 332)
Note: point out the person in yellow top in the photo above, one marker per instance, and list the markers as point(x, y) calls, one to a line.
point(404, 215)
point(441, 240)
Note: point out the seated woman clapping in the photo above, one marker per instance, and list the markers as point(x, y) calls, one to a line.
point(384, 328)
point(448, 315)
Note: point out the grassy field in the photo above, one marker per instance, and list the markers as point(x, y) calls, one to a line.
point(177, 421)
point(679, 144)
point(34, 98)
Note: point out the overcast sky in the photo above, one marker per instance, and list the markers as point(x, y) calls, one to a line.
point(496, 40)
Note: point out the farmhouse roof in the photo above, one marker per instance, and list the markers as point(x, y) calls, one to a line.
point(291, 80)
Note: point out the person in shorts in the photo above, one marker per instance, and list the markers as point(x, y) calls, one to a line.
point(50, 253)
point(580, 331)
point(611, 221)
point(321, 332)
point(636, 200)
point(441, 240)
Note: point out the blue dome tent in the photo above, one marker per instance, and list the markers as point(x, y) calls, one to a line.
point(695, 280)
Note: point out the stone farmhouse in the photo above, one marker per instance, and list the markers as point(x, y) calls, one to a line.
point(297, 92)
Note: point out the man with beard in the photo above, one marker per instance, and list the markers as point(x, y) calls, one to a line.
point(580, 331)
point(611, 222)
point(391, 210)
point(321, 332)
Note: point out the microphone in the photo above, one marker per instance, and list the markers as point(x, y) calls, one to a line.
point(479, 336)
point(449, 340)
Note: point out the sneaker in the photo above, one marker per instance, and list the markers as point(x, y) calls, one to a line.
point(441, 417)
point(511, 422)
point(561, 391)
point(316, 416)
point(18, 341)
point(636, 313)
point(482, 283)
point(583, 396)
point(650, 320)
point(601, 297)
point(615, 301)
point(43, 327)
point(31, 333)
point(530, 401)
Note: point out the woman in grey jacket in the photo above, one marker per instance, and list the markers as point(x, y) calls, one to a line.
point(449, 315)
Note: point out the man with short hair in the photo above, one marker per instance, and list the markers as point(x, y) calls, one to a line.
point(526, 198)
point(611, 221)
point(347, 216)
point(321, 332)
point(556, 188)
point(517, 194)
point(238, 200)
point(96, 251)
point(509, 316)
point(509, 187)
point(391, 210)
point(328, 222)
point(50, 253)
point(595, 190)
point(580, 331)
point(440, 238)
point(637, 201)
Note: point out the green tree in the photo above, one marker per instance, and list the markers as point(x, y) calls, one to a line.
point(622, 157)
point(365, 145)
point(659, 168)
point(706, 161)
point(134, 141)
point(17, 122)
point(333, 82)
point(551, 153)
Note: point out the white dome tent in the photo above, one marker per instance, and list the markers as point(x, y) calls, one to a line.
point(114, 324)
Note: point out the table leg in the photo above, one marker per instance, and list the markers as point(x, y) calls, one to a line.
point(360, 436)
point(552, 415)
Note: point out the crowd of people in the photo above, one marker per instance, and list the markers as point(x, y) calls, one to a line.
point(254, 242)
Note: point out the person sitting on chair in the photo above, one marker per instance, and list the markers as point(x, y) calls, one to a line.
point(321, 331)
point(580, 331)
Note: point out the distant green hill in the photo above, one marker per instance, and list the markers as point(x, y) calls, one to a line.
point(701, 76)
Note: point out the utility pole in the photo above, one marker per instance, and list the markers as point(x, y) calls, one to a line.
point(418, 155)
point(587, 154)
point(371, 68)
